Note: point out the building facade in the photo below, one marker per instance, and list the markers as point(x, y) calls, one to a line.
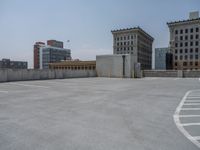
point(161, 58)
point(50, 53)
point(185, 43)
point(74, 65)
point(134, 41)
point(8, 64)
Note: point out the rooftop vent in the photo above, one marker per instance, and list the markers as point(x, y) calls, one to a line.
point(194, 15)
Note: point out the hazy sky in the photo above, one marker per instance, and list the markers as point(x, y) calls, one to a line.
point(86, 23)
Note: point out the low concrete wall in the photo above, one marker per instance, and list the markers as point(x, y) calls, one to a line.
point(160, 73)
point(191, 74)
point(172, 73)
point(7, 75)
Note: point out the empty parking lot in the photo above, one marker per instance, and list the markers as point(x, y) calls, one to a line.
point(100, 114)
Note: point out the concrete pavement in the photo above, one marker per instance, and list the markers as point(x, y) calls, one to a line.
point(95, 114)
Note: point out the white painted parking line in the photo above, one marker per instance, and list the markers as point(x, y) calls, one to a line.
point(178, 123)
point(192, 101)
point(29, 85)
point(190, 124)
point(191, 104)
point(197, 137)
point(193, 97)
point(190, 108)
point(188, 116)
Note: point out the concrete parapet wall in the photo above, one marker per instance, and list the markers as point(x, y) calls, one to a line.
point(172, 73)
point(191, 74)
point(7, 75)
point(160, 73)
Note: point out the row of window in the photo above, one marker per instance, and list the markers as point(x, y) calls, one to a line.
point(124, 53)
point(187, 63)
point(125, 48)
point(76, 67)
point(124, 43)
point(125, 37)
point(187, 44)
point(187, 30)
point(186, 50)
point(186, 37)
point(186, 57)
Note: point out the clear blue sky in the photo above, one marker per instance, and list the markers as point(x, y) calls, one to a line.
point(86, 23)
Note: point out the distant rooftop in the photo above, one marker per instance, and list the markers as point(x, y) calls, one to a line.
point(133, 29)
point(193, 16)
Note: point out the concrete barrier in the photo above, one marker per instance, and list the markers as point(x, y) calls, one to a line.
point(172, 73)
point(160, 73)
point(191, 74)
point(7, 75)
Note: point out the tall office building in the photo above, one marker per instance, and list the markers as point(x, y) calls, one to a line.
point(161, 58)
point(134, 41)
point(185, 42)
point(51, 53)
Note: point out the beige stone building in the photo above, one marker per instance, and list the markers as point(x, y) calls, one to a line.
point(185, 43)
point(134, 41)
point(74, 65)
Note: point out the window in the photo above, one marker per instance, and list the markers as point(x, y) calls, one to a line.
point(181, 38)
point(176, 51)
point(181, 57)
point(186, 50)
point(124, 38)
point(176, 44)
point(191, 56)
point(191, 50)
point(176, 57)
point(176, 31)
point(186, 57)
point(196, 63)
point(186, 43)
point(181, 51)
point(197, 43)
point(197, 29)
point(175, 64)
point(191, 37)
point(197, 36)
point(131, 36)
point(191, 63)
point(191, 43)
point(131, 48)
point(181, 44)
point(121, 38)
point(131, 42)
point(196, 56)
point(124, 43)
point(117, 39)
point(186, 30)
point(181, 31)
point(191, 30)
point(128, 37)
point(186, 37)
point(196, 50)
point(184, 63)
